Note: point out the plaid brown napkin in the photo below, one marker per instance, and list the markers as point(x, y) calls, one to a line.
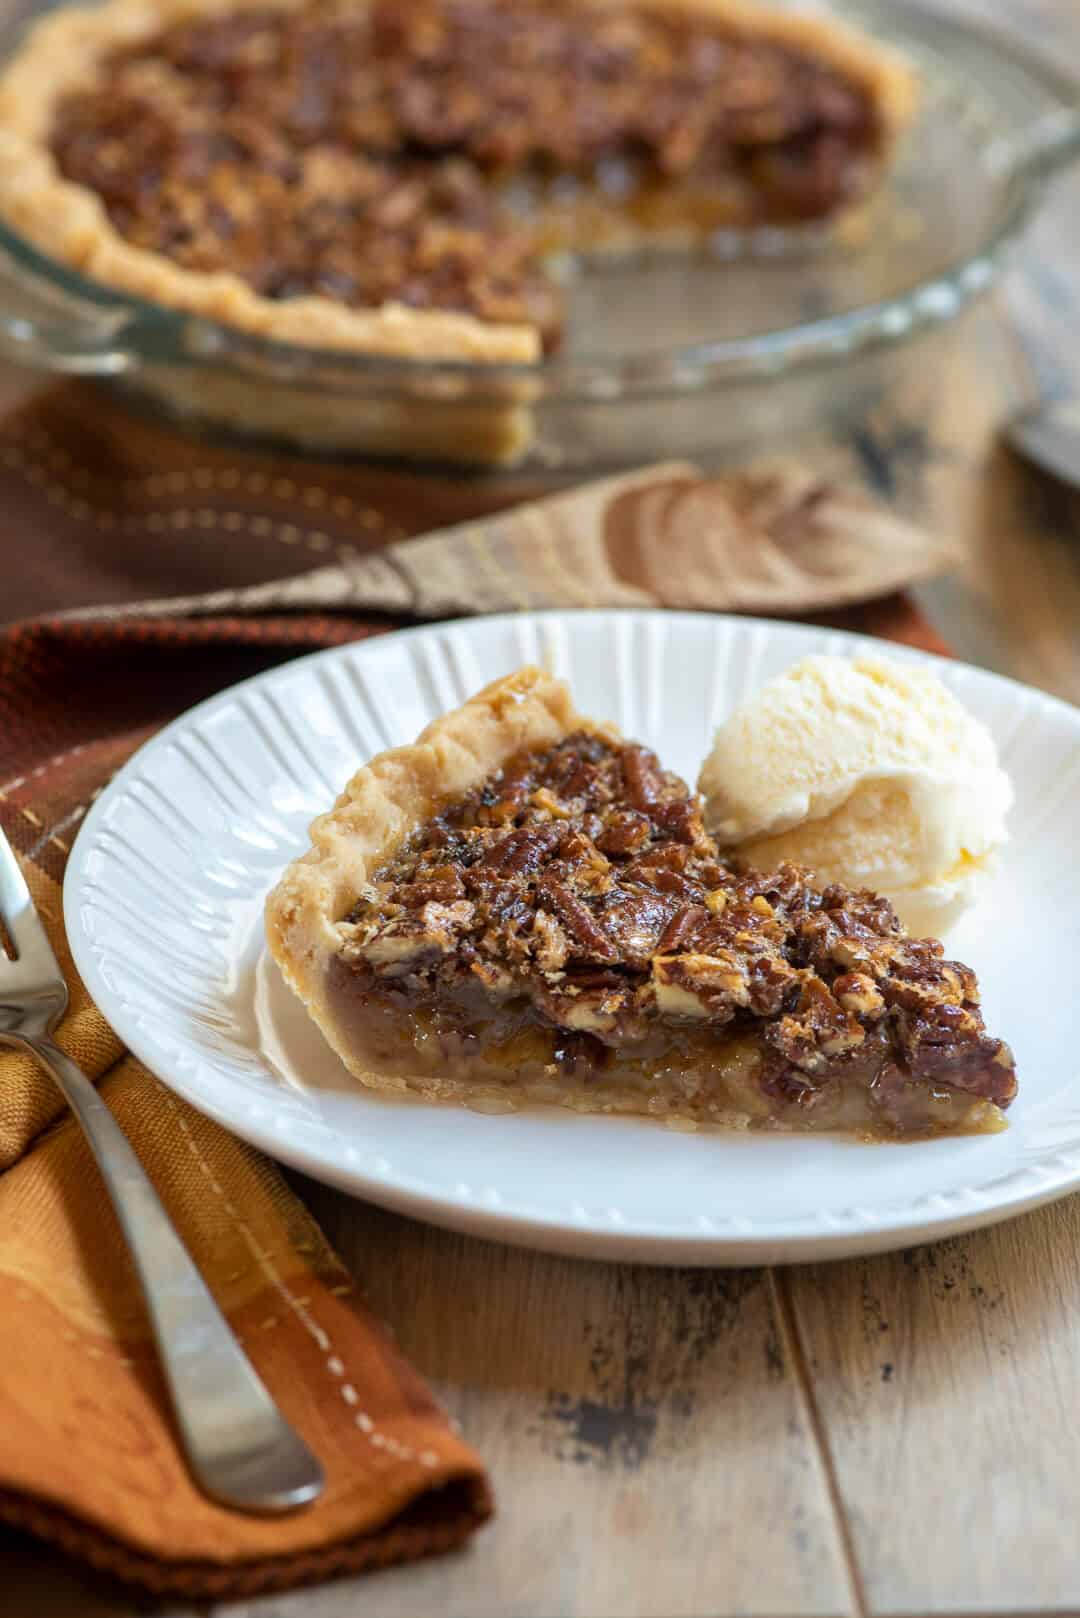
point(152, 570)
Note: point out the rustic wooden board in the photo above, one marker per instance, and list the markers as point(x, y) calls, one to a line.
point(646, 1431)
point(945, 1378)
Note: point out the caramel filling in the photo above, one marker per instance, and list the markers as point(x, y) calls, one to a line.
point(569, 924)
point(432, 152)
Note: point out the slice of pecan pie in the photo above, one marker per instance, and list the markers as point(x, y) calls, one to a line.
point(392, 176)
point(524, 906)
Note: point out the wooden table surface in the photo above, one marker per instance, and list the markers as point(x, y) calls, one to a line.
point(886, 1436)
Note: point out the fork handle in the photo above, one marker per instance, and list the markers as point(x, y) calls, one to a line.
point(241, 1450)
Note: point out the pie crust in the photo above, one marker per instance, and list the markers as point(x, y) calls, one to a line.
point(737, 1028)
point(68, 221)
point(379, 810)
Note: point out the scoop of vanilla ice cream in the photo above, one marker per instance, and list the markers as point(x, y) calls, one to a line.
point(871, 773)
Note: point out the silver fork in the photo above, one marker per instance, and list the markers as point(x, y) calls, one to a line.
point(241, 1450)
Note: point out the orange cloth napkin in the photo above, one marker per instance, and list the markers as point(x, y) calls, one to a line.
point(219, 562)
point(88, 1457)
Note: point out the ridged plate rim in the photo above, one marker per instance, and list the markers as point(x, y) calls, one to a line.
point(1049, 1156)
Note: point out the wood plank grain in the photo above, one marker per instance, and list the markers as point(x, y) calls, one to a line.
point(645, 1434)
point(947, 1379)
point(944, 1377)
point(645, 1429)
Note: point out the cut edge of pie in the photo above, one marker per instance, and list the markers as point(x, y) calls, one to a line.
point(381, 807)
point(68, 221)
point(891, 1046)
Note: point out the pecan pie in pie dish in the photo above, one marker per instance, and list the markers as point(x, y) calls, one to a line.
point(525, 906)
point(393, 176)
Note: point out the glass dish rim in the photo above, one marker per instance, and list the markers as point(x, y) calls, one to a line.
point(145, 333)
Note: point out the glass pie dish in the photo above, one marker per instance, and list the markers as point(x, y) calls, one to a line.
point(746, 341)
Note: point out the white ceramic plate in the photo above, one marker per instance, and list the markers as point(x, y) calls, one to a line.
point(163, 905)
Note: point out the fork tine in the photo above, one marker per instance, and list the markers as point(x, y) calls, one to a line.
point(35, 954)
